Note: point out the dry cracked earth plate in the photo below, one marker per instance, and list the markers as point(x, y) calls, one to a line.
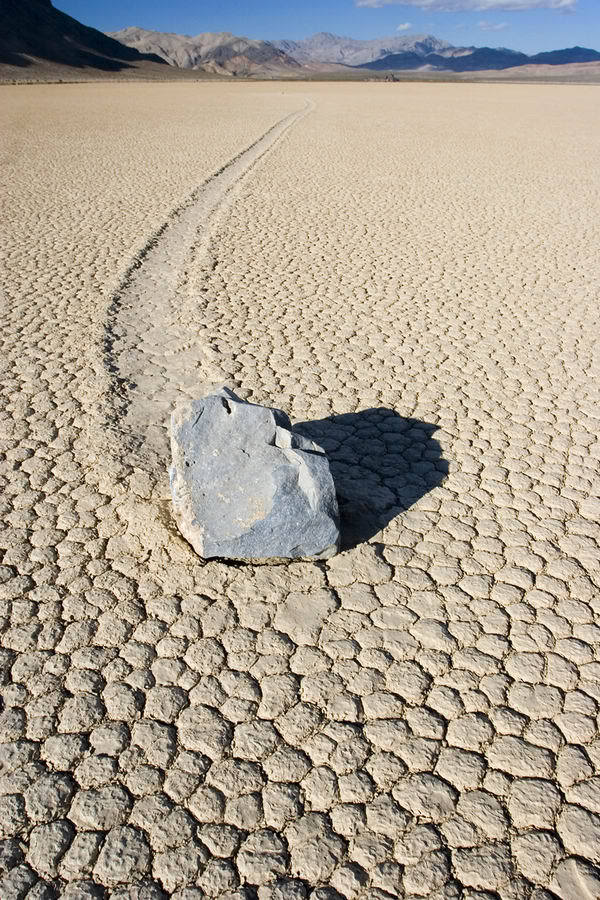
point(416, 717)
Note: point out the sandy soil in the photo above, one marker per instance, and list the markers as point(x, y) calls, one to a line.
point(44, 72)
point(411, 272)
point(582, 73)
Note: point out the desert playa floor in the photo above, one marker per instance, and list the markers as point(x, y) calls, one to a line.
point(411, 271)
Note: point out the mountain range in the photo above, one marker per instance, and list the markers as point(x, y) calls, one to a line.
point(221, 53)
point(33, 33)
point(326, 47)
point(235, 55)
point(480, 59)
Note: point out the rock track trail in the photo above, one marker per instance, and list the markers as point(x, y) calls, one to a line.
point(152, 349)
point(410, 273)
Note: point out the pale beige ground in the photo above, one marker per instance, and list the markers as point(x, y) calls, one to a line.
point(412, 272)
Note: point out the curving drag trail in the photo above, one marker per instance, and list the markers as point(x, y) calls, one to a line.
point(153, 352)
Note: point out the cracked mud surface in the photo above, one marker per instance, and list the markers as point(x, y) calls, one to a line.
point(409, 271)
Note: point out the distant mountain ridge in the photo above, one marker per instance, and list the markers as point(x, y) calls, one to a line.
point(218, 52)
point(473, 59)
point(480, 59)
point(225, 53)
point(566, 56)
point(422, 51)
point(331, 48)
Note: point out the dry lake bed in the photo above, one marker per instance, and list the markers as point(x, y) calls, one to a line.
point(410, 271)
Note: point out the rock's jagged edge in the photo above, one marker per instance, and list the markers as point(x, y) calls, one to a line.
point(284, 520)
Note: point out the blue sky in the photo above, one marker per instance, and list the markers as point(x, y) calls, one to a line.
point(528, 25)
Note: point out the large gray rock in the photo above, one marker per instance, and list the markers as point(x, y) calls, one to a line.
point(245, 486)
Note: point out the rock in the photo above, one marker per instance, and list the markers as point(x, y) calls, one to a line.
point(485, 812)
point(110, 739)
point(577, 878)
point(283, 890)
point(244, 812)
point(537, 853)
point(430, 873)
point(245, 486)
point(47, 844)
point(262, 858)
point(369, 849)
point(158, 741)
point(13, 817)
point(287, 764)
point(385, 816)
point(49, 797)
point(143, 890)
point(11, 855)
point(102, 809)
point(218, 877)
point(519, 758)
point(487, 867)
point(17, 883)
point(80, 858)
point(179, 866)
point(282, 803)
point(82, 890)
point(586, 794)
point(174, 830)
point(315, 850)
point(533, 803)
point(221, 840)
point(350, 879)
point(302, 616)
point(124, 857)
point(63, 751)
point(579, 831)
point(426, 796)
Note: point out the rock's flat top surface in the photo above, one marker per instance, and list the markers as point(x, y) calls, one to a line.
point(410, 271)
point(245, 486)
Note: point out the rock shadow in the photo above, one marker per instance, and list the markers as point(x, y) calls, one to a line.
point(381, 463)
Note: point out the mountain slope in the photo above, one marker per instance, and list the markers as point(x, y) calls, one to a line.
point(34, 28)
point(477, 59)
point(331, 48)
point(566, 56)
point(220, 52)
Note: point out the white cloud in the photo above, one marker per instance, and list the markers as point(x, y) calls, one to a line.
point(474, 5)
point(406, 26)
point(492, 26)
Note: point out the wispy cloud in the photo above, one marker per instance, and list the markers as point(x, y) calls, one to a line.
point(492, 26)
point(474, 5)
point(406, 26)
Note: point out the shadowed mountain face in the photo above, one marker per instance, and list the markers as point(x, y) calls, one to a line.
point(563, 57)
point(34, 28)
point(478, 59)
point(222, 52)
point(475, 59)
